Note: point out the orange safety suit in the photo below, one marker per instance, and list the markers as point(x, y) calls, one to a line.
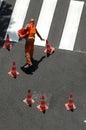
point(28, 32)
point(29, 45)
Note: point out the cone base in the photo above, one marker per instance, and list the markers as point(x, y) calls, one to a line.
point(49, 52)
point(25, 101)
point(9, 47)
point(69, 108)
point(10, 73)
point(38, 107)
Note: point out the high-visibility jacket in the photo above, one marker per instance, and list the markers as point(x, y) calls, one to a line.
point(31, 31)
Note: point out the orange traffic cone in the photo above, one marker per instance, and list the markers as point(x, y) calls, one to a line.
point(42, 107)
point(70, 105)
point(28, 100)
point(49, 49)
point(7, 44)
point(13, 72)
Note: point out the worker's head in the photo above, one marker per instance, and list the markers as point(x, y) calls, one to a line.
point(32, 21)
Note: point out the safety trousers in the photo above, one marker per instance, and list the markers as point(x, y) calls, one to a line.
point(29, 49)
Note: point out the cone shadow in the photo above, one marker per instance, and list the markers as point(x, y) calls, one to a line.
point(72, 110)
point(50, 54)
point(44, 111)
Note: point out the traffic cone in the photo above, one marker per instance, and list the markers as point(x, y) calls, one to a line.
point(13, 72)
point(28, 100)
point(49, 49)
point(7, 45)
point(70, 105)
point(42, 106)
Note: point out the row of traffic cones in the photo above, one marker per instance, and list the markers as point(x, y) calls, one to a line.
point(69, 105)
point(29, 101)
point(42, 105)
point(7, 45)
point(49, 49)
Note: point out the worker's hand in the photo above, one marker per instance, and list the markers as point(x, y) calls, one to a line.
point(20, 38)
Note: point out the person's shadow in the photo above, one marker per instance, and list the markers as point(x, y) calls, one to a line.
point(32, 68)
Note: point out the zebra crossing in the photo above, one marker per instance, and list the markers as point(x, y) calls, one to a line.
point(70, 14)
point(71, 25)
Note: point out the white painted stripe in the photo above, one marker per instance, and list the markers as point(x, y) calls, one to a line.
point(45, 20)
point(71, 25)
point(1, 2)
point(17, 18)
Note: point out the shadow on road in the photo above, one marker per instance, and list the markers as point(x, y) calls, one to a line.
point(32, 68)
point(5, 13)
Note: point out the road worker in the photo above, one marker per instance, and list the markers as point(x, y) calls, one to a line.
point(30, 38)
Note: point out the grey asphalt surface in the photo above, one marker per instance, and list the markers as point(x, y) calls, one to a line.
point(55, 76)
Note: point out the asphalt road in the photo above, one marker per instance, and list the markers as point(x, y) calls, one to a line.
point(55, 76)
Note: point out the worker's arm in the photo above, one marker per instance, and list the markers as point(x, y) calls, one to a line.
point(39, 35)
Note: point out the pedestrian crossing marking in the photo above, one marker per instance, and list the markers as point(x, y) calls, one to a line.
point(71, 25)
point(17, 19)
point(45, 20)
